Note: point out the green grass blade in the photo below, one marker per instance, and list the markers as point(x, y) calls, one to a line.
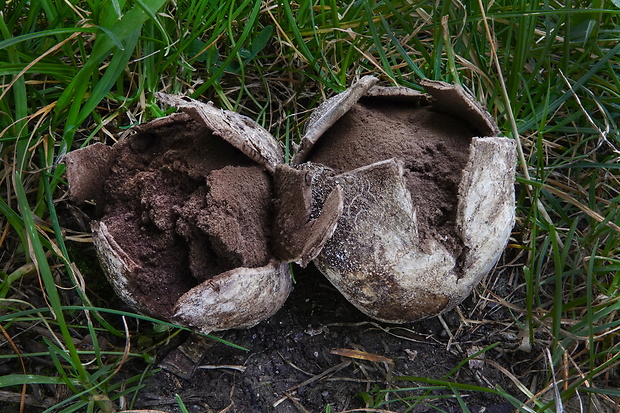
point(20, 379)
point(250, 24)
point(11, 41)
point(38, 256)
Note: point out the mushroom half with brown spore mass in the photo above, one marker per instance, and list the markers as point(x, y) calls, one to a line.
point(427, 196)
point(186, 211)
point(403, 200)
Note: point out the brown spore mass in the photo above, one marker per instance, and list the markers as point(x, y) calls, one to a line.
point(186, 206)
point(433, 147)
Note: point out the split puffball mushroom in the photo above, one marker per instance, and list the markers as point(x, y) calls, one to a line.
point(186, 209)
point(404, 200)
point(416, 195)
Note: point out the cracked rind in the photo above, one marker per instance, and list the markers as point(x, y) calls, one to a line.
point(238, 130)
point(240, 298)
point(328, 112)
point(374, 257)
point(486, 205)
point(400, 94)
point(117, 265)
point(371, 252)
point(299, 237)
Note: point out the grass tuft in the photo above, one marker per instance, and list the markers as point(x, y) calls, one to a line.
point(75, 73)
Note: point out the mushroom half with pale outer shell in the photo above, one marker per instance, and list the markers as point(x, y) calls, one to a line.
point(404, 200)
point(185, 212)
point(408, 198)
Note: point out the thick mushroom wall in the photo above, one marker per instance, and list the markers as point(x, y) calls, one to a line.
point(403, 200)
point(433, 148)
point(185, 217)
point(187, 206)
point(420, 188)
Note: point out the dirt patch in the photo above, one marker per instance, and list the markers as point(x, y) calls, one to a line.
point(433, 146)
point(186, 206)
point(290, 366)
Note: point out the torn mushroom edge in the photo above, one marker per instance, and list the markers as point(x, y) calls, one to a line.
point(262, 148)
point(234, 309)
point(444, 97)
point(243, 133)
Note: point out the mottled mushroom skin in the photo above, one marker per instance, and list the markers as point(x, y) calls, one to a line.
point(370, 254)
point(428, 199)
point(186, 211)
point(403, 200)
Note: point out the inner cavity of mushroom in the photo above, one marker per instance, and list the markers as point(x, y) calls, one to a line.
point(433, 147)
point(186, 206)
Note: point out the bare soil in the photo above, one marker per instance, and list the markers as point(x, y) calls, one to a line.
point(290, 365)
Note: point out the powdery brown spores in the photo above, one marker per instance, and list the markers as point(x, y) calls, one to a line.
point(428, 197)
point(184, 232)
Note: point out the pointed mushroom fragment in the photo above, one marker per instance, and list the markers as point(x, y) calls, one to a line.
point(428, 197)
point(299, 236)
point(235, 299)
point(374, 257)
point(323, 117)
point(238, 130)
point(186, 210)
point(87, 184)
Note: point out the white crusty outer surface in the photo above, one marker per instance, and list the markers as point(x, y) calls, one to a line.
point(239, 298)
point(235, 299)
point(375, 258)
point(117, 265)
point(486, 206)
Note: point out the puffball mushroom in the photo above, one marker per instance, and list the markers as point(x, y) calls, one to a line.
point(408, 198)
point(404, 200)
point(186, 210)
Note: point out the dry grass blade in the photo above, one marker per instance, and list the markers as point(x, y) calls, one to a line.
point(361, 355)
point(559, 408)
point(75, 74)
point(588, 211)
point(319, 376)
